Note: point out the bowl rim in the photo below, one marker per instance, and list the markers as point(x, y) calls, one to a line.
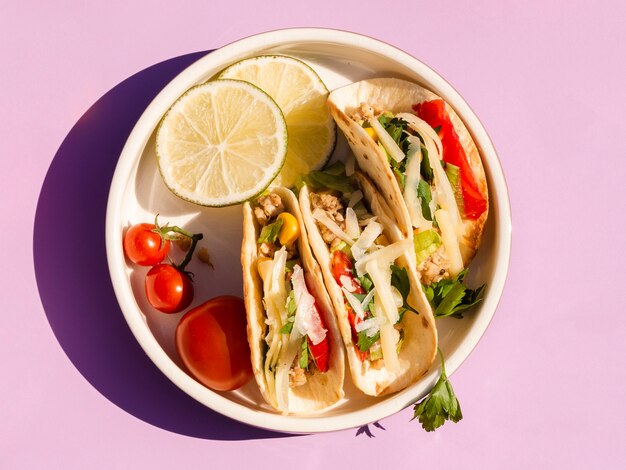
point(138, 139)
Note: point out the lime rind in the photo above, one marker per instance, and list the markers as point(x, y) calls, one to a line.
point(250, 69)
point(239, 196)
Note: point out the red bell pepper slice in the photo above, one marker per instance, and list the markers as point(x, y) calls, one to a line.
point(435, 114)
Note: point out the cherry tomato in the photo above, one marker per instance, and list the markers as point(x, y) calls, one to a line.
point(143, 246)
point(212, 342)
point(168, 289)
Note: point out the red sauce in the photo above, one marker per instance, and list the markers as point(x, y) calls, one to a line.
point(435, 114)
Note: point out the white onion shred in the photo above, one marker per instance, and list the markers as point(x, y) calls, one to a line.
point(371, 326)
point(307, 322)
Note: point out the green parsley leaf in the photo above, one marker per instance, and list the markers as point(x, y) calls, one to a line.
point(440, 405)
point(269, 233)
point(304, 354)
point(365, 342)
point(400, 280)
point(396, 128)
point(288, 326)
point(366, 282)
point(451, 297)
point(425, 168)
point(425, 196)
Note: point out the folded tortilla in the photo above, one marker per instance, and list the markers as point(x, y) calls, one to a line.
point(419, 344)
point(321, 390)
point(399, 96)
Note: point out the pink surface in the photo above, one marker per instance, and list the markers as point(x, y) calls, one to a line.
point(544, 388)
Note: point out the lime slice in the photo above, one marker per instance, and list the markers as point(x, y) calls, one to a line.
point(221, 143)
point(301, 95)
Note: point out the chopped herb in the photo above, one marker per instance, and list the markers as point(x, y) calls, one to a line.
point(269, 233)
point(304, 354)
point(437, 129)
point(440, 405)
point(288, 326)
point(366, 282)
point(423, 192)
point(400, 280)
point(425, 168)
point(451, 297)
point(396, 128)
point(290, 264)
point(365, 342)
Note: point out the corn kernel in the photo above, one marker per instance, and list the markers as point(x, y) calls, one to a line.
point(372, 133)
point(290, 231)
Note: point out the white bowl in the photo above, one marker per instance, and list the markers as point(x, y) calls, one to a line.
point(137, 194)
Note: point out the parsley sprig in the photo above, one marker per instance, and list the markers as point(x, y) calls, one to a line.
point(451, 297)
point(440, 405)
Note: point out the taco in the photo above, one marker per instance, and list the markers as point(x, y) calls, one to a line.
point(424, 163)
point(296, 352)
point(385, 320)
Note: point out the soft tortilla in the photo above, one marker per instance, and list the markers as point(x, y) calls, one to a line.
point(321, 389)
point(398, 96)
point(419, 348)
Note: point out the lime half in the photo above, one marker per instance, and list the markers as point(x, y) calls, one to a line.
point(221, 143)
point(301, 95)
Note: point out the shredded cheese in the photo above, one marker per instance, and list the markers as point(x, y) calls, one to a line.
point(385, 255)
point(387, 340)
point(450, 243)
point(411, 181)
point(354, 303)
point(352, 224)
point(387, 141)
point(443, 188)
point(381, 277)
point(366, 241)
point(330, 224)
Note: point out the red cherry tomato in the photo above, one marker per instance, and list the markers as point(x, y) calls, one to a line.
point(168, 289)
point(212, 342)
point(143, 246)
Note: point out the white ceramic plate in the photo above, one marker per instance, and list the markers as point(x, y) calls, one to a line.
point(137, 194)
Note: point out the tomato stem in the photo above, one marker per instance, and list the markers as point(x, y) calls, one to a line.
point(195, 237)
point(165, 230)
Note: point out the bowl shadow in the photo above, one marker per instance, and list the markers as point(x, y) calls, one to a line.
point(72, 274)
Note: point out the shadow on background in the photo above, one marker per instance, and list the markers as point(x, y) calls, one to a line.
point(72, 274)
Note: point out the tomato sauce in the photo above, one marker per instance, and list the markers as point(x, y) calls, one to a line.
point(435, 114)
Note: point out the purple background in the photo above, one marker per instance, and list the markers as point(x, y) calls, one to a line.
point(543, 389)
